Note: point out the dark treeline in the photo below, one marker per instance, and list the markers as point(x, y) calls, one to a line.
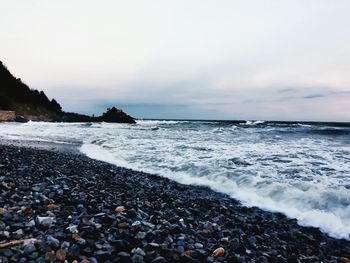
point(13, 90)
point(33, 104)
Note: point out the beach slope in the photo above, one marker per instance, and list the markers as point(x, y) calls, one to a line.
point(61, 205)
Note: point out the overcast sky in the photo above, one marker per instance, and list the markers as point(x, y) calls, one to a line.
point(218, 59)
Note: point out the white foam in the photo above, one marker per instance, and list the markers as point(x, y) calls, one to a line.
point(304, 177)
point(276, 197)
point(254, 122)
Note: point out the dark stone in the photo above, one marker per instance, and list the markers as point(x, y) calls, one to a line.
point(28, 249)
point(6, 252)
point(21, 119)
point(52, 242)
point(175, 229)
point(74, 250)
point(159, 260)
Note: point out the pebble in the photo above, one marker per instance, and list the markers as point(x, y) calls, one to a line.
point(28, 249)
point(50, 256)
point(219, 252)
point(53, 242)
point(198, 245)
point(120, 209)
point(46, 221)
point(141, 235)
point(61, 255)
point(136, 224)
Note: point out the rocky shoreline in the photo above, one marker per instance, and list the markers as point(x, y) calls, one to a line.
point(58, 206)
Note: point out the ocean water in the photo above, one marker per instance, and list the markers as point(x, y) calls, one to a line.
point(300, 170)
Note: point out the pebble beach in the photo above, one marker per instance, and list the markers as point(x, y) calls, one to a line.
point(57, 205)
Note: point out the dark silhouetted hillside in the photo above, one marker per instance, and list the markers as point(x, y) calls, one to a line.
point(35, 105)
point(17, 96)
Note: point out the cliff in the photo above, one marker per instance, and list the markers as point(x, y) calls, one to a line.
point(17, 96)
point(34, 105)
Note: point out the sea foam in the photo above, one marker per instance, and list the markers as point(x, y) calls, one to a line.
point(293, 169)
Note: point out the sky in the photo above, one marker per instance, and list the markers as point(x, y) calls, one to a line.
point(184, 59)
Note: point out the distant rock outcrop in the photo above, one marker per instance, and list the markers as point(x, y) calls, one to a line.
point(111, 115)
point(34, 105)
point(116, 115)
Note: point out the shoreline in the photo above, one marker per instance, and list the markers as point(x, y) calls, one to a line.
point(72, 148)
point(163, 220)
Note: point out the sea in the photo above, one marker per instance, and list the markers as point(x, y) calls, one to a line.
point(299, 169)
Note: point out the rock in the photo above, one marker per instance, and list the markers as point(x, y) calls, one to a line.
point(124, 257)
point(29, 224)
point(145, 223)
point(21, 119)
point(52, 242)
point(93, 260)
point(141, 235)
point(210, 259)
point(239, 259)
point(25, 210)
point(116, 115)
point(198, 245)
point(219, 252)
point(180, 249)
point(175, 229)
point(46, 221)
point(65, 245)
point(74, 250)
point(6, 252)
point(123, 225)
point(76, 235)
point(252, 240)
point(50, 256)
point(119, 209)
point(138, 251)
point(61, 255)
point(3, 211)
point(137, 259)
point(2, 226)
point(152, 246)
point(159, 260)
point(19, 232)
point(53, 207)
point(73, 228)
point(4, 234)
point(294, 259)
point(136, 224)
point(29, 248)
point(190, 253)
point(39, 187)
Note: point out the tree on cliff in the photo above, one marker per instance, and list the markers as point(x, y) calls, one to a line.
point(33, 104)
point(13, 92)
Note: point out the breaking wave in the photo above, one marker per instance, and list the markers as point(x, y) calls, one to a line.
point(300, 170)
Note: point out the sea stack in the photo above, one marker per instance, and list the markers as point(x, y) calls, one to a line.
point(117, 116)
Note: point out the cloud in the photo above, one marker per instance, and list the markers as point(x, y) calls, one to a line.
point(233, 59)
point(288, 89)
point(314, 96)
